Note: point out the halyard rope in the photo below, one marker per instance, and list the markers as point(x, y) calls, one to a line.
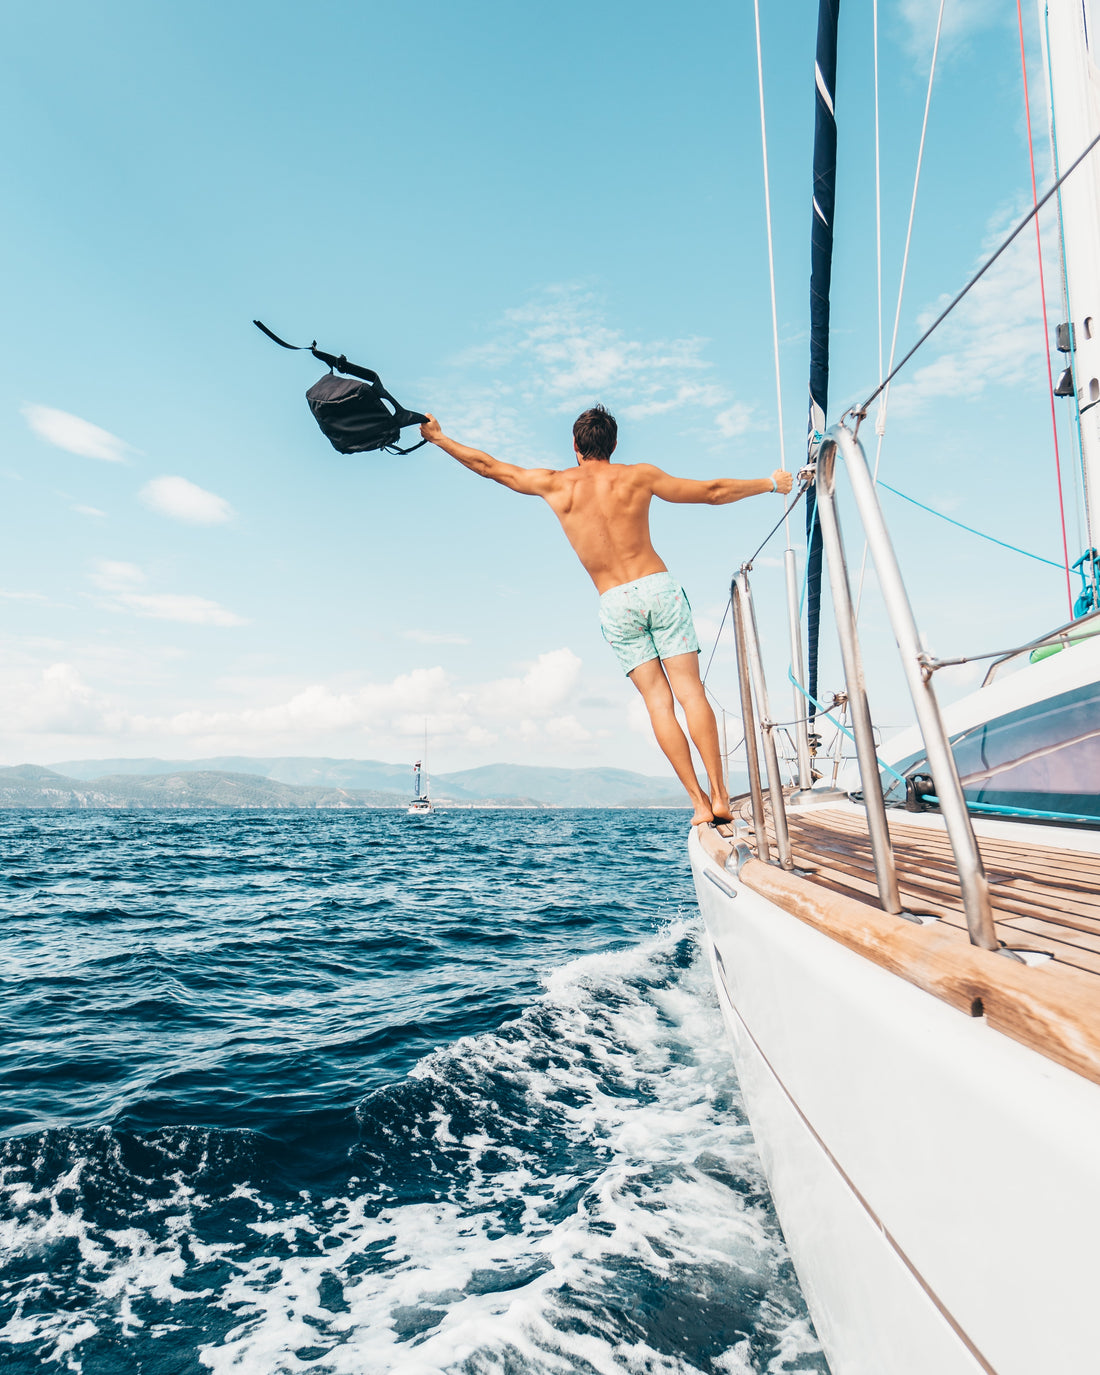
point(771, 251)
point(880, 418)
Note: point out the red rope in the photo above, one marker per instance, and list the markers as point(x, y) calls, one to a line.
point(1046, 327)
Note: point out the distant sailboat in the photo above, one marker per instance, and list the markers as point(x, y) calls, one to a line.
point(421, 803)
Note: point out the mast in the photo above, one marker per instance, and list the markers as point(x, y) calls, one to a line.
point(1067, 28)
point(821, 272)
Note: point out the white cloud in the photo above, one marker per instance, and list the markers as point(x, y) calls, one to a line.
point(89, 511)
point(567, 730)
point(183, 500)
point(23, 596)
point(120, 581)
point(735, 420)
point(113, 576)
point(550, 681)
point(558, 352)
point(961, 20)
point(173, 606)
point(61, 703)
point(427, 637)
point(995, 335)
point(76, 436)
point(524, 708)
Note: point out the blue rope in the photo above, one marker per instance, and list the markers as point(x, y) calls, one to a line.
point(899, 777)
point(995, 807)
point(969, 528)
point(843, 730)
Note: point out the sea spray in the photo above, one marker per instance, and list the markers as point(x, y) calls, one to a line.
point(572, 1187)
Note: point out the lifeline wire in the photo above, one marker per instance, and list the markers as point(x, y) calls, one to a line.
point(969, 528)
point(781, 521)
point(1043, 299)
point(721, 627)
point(862, 410)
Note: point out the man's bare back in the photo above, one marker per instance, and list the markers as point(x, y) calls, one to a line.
point(603, 508)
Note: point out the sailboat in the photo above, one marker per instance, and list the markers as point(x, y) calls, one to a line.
point(421, 804)
point(909, 968)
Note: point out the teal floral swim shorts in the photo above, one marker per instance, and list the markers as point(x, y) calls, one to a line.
point(647, 619)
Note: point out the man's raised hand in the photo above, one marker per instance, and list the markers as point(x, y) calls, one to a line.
point(783, 480)
point(432, 432)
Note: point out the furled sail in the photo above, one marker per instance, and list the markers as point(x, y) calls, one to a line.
point(821, 271)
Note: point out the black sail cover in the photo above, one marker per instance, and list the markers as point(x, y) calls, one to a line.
point(821, 272)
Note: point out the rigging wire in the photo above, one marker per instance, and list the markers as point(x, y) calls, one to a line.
point(771, 252)
point(861, 410)
point(781, 521)
point(714, 650)
point(1043, 297)
point(880, 417)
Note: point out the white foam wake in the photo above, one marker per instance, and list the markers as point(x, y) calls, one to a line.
point(658, 1254)
point(576, 1192)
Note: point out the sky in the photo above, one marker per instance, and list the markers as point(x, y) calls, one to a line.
point(511, 212)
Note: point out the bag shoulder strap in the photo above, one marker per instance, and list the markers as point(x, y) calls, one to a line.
point(368, 375)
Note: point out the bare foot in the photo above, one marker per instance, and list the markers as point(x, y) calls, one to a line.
point(703, 815)
point(720, 808)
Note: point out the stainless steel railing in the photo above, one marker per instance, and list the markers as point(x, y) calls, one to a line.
point(751, 665)
point(937, 744)
point(941, 762)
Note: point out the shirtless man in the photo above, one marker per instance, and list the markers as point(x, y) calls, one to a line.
point(603, 508)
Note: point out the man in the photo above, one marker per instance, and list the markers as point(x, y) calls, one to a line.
point(603, 508)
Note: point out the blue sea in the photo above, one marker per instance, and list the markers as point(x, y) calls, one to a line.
point(348, 1091)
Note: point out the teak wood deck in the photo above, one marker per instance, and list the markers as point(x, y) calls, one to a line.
point(1045, 899)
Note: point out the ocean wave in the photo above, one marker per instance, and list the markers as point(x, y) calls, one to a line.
point(575, 1191)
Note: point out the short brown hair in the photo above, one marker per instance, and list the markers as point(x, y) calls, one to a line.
point(595, 433)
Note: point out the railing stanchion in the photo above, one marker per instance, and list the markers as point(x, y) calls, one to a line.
point(748, 720)
point(881, 848)
point(751, 641)
point(937, 745)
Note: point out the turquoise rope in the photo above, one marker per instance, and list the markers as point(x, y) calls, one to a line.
point(829, 717)
point(970, 529)
point(900, 777)
point(1021, 811)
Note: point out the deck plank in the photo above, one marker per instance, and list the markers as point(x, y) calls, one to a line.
point(1043, 897)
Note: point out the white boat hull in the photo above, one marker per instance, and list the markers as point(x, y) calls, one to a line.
point(938, 1184)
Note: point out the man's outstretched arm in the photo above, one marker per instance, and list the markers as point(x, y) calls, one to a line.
point(719, 491)
point(531, 482)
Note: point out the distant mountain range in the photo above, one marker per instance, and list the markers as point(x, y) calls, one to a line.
point(305, 782)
